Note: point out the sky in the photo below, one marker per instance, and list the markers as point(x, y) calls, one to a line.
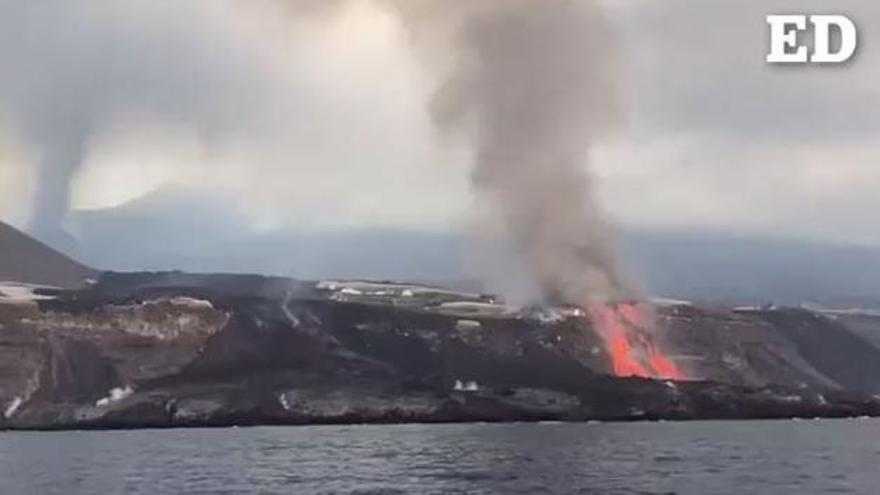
point(319, 122)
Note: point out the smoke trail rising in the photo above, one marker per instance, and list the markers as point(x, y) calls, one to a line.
point(531, 85)
point(71, 66)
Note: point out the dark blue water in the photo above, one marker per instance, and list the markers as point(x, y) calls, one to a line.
point(748, 457)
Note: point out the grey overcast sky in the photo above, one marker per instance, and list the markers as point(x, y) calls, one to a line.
point(713, 136)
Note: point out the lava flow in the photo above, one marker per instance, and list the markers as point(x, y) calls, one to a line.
point(624, 327)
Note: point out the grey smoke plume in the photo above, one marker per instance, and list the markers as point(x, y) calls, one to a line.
point(531, 84)
point(70, 66)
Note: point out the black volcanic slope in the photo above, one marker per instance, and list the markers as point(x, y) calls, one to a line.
point(176, 349)
point(24, 259)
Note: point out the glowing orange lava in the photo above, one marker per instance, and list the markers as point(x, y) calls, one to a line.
point(624, 327)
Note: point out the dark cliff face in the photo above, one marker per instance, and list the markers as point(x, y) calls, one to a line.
point(177, 349)
point(845, 357)
point(792, 347)
point(25, 259)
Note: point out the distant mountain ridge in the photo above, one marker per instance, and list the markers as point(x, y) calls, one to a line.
point(735, 268)
point(24, 259)
point(175, 228)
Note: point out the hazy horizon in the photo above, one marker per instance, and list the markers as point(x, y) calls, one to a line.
point(182, 232)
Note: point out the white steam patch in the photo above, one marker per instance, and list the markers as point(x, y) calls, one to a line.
point(13, 407)
point(115, 395)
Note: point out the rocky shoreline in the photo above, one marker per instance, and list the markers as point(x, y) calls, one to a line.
point(158, 350)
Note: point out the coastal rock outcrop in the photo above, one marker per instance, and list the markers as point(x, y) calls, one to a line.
point(177, 349)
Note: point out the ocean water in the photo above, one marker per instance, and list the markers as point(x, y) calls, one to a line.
point(724, 457)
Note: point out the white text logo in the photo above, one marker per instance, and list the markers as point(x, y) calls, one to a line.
point(785, 48)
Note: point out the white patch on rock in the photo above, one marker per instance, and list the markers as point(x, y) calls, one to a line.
point(468, 325)
point(282, 399)
point(191, 302)
point(474, 308)
point(117, 394)
point(327, 285)
point(13, 407)
point(291, 318)
point(469, 386)
point(17, 293)
point(791, 398)
point(667, 302)
point(577, 312)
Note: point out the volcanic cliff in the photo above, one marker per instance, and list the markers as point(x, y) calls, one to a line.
point(178, 349)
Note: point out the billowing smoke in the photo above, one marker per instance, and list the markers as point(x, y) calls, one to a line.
point(71, 66)
point(531, 85)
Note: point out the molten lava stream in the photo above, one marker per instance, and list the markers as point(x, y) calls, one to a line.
point(622, 324)
point(612, 329)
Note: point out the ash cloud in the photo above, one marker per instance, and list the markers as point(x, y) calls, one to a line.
point(531, 86)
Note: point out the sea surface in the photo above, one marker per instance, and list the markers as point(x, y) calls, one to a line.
point(729, 457)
